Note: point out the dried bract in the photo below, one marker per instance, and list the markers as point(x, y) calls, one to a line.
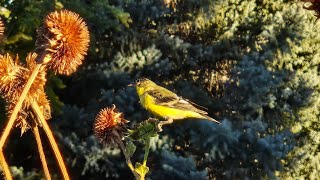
point(40, 80)
point(11, 77)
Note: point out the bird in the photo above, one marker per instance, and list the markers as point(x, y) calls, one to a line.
point(167, 104)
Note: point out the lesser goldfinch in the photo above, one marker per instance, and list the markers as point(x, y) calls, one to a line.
point(166, 104)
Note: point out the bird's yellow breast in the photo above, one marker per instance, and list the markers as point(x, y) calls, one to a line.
point(148, 102)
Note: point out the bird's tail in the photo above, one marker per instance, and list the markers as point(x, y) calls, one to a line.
point(210, 118)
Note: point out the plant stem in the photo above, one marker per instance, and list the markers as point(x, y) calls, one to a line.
point(18, 106)
point(5, 166)
point(128, 160)
point(14, 114)
point(41, 153)
point(146, 151)
point(52, 141)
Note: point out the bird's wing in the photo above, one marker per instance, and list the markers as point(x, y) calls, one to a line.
point(196, 105)
point(185, 104)
point(165, 97)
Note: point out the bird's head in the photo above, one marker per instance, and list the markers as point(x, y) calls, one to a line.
point(142, 85)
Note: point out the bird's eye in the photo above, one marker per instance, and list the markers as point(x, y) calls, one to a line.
point(137, 81)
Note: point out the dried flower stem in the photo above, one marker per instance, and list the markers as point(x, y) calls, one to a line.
point(18, 106)
point(5, 166)
point(41, 153)
point(129, 163)
point(14, 114)
point(52, 141)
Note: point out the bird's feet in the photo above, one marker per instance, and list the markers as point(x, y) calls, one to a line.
point(161, 123)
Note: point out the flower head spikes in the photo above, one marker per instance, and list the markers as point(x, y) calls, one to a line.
point(44, 104)
point(14, 76)
point(21, 121)
point(109, 126)
point(65, 37)
point(315, 6)
point(11, 77)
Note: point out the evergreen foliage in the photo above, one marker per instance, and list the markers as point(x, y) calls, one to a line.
point(253, 63)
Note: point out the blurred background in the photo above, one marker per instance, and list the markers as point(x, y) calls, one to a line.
point(253, 63)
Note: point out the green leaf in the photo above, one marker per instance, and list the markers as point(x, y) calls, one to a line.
point(141, 169)
point(145, 130)
point(130, 148)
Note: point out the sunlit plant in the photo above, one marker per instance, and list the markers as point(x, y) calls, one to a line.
point(61, 44)
point(110, 129)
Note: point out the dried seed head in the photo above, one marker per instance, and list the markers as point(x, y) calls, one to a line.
point(43, 104)
point(13, 78)
point(40, 80)
point(65, 37)
point(109, 126)
point(21, 120)
point(1, 28)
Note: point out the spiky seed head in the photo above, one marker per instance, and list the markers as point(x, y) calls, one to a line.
point(65, 37)
point(26, 113)
point(109, 126)
point(13, 78)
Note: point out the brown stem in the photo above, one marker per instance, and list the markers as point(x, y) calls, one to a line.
point(52, 141)
point(41, 152)
point(5, 166)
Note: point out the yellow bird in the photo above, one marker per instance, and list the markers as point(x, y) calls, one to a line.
point(166, 104)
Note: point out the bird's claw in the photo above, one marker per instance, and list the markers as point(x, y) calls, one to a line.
point(159, 127)
point(167, 121)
